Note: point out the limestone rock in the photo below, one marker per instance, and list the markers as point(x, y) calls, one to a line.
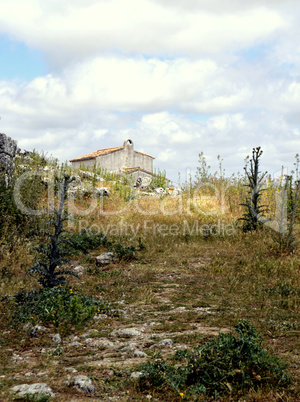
point(104, 259)
point(102, 191)
point(99, 317)
point(79, 270)
point(17, 358)
point(165, 342)
point(83, 383)
point(99, 343)
point(138, 182)
point(71, 370)
point(38, 330)
point(33, 389)
point(76, 344)
point(139, 353)
point(160, 191)
point(117, 312)
point(56, 338)
point(126, 332)
point(8, 148)
point(135, 375)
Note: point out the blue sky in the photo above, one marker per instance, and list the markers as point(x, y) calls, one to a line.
point(20, 62)
point(178, 77)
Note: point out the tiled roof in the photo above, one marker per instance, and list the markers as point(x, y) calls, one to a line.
point(138, 169)
point(93, 155)
point(142, 153)
point(135, 169)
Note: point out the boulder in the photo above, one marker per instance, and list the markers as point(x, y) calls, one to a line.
point(138, 182)
point(126, 332)
point(102, 191)
point(165, 342)
point(8, 148)
point(56, 338)
point(104, 259)
point(83, 383)
point(79, 270)
point(139, 353)
point(90, 175)
point(160, 191)
point(136, 374)
point(38, 330)
point(33, 389)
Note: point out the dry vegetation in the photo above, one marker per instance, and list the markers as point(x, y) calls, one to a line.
point(191, 281)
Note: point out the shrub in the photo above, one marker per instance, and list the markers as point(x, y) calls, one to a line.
point(225, 365)
point(159, 180)
point(12, 219)
point(57, 305)
point(122, 252)
point(84, 242)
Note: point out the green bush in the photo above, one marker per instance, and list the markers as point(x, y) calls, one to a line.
point(58, 305)
point(122, 252)
point(159, 180)
point(225, 365)
point(84, 242)
point(12, 219)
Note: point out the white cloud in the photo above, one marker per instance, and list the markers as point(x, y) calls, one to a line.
point(126, 84)
point(73, 30)
point(166, 155)
point(149, 70)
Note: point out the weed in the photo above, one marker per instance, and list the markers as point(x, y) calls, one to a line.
point(254, 214)
point(57, 305)
point(159, 180)
point(33, 398)
point(122, 252)
point(227, 365)
point(285, 236)
point(85, 242)
point(202, 173)
point(286, 294)
point(5, 273)
point(12, 219)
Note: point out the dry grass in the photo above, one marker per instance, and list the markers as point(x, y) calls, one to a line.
point(192, 281)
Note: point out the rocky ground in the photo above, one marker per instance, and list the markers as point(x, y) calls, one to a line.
point(96, 365)
point(158, 307)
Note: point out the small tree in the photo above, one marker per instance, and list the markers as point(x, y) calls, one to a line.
point(253, 217)
point(53, 253)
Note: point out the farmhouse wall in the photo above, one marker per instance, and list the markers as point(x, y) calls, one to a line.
point(116, 159)
point(124, 158)
point(89, 163)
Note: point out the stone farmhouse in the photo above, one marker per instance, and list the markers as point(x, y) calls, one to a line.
point(122, 159)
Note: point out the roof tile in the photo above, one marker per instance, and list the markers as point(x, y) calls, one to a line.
point(105, 151)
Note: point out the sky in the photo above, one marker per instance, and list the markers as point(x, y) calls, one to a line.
point(177, 77)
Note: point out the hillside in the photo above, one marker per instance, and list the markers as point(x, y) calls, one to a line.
point(180, 273)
